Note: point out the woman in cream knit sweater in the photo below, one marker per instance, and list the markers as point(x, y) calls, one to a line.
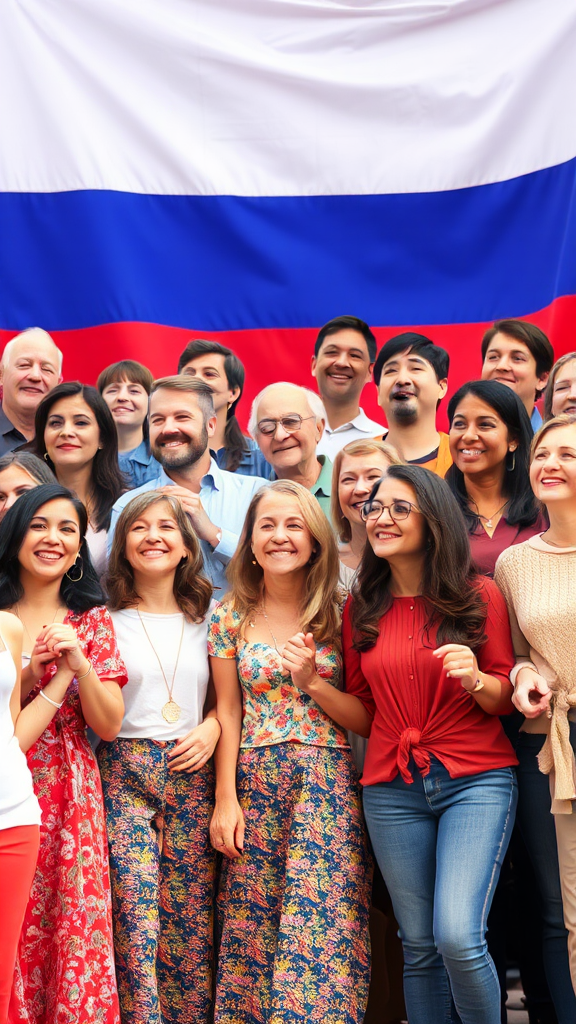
point(538, 579)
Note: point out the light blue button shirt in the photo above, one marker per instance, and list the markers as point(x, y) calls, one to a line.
point(225, 498)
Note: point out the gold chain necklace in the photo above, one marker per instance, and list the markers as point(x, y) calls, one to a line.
point(171, 710)
point(252, 623)
point(488, 519)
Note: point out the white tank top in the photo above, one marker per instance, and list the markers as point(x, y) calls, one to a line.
point(18, 804)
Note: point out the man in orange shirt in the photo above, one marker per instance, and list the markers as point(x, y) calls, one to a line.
point(411, 374)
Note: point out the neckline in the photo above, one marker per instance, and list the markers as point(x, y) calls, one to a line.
point(153, 615)
point(539, 544)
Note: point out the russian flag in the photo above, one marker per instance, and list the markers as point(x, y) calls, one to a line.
point(246, 171)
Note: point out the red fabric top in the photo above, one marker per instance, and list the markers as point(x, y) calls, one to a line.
point(486, 550)
point(417, 710)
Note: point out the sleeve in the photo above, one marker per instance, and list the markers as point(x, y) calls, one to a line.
point(116, 510)
point(502, 580)
point(496, 656)
point(226, 546)
point(223, 632)
point(354, 680)
point(102, 648)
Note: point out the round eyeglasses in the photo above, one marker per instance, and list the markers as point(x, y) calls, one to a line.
point(398, 510)
point(290, 424)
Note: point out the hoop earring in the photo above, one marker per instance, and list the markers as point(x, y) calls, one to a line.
point(76, 579)
point(46, 456)
point(513, 466)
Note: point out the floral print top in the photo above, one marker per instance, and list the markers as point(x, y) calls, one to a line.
point(274, 709)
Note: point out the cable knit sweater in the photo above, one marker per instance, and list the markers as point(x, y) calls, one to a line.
point(539, 584)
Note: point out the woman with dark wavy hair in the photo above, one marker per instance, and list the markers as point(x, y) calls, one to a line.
point(156, 774)
point(427, 656)
point(76, 435)
point(490, 435)
point(71, 678)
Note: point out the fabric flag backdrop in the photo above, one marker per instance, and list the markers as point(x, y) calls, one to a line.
point(245, 171)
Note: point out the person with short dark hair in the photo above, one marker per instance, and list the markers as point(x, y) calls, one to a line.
point(125, 387)
point(221, 369)
point(342, 363)
point(411, 374)
point(72, 678)
point(181, 422)
point(519, 355)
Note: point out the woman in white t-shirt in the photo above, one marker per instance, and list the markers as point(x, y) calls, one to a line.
point(19, 810)
point(157, 780)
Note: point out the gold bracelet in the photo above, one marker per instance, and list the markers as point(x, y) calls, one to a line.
point(479, 686)
point(84, 674)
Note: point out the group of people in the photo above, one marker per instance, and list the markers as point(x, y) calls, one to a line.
point(242, 676)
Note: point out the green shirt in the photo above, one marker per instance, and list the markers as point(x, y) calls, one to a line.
point(322, 489)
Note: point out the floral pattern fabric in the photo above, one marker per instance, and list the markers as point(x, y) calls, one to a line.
point(294, 908)
point(65, 968)
point(274, 709)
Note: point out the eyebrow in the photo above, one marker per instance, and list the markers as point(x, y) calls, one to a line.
point(62, 522)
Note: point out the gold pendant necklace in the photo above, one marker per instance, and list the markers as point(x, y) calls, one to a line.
point(171, 711)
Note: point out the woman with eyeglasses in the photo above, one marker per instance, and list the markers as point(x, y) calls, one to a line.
point(427, 655)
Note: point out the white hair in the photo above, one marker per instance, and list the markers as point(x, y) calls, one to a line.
point(315, 403)
point(9, 347)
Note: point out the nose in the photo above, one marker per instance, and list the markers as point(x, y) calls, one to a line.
point(469, 433)
point(34, 372)
point(52, 536)
point(152, 533)
point(551, 461)
point(280, 433)
point(10, 500)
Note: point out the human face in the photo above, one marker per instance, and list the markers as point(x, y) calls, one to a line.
point(210, 368)
point(127, 401)
point(512, 363)
point(14, 481)
point(33, 369)
point(52, 541)
point(397, 540)
point(553, 468)
point(342, 366)
point(479, 438)
point(564, 395)
point(283, 450)
point(408, 389)
point(358, 474)
point(281, 541)
point(72, 435)
point(154, 544)
point(178, 435)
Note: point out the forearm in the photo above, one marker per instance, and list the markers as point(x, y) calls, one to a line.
point(346, 709)
point(28, 681)
point(226, 753)
point(495, 697)
point(103, 708)
point(37, 715)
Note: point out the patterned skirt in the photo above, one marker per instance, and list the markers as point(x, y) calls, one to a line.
point(294, 908)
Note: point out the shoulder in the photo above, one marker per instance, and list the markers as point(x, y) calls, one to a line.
point(514, 558)
point(93, 619)
point(224, 613)
point(10, 626)
point(239, 483)
point(125, 498)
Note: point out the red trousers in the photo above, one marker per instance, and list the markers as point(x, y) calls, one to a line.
point(18, 854)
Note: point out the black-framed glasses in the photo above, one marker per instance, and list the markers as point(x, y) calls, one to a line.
point(398, 510)
point(290, 424)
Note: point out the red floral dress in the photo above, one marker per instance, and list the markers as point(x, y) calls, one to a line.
point(65, 968)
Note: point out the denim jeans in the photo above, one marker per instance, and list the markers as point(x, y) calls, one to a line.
point(439, 843)
point(537, 827)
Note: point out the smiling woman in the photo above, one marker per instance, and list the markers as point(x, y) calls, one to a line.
point(71, 679)
point(125, 387)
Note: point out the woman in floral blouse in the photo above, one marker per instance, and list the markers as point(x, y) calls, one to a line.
point(296, 885)
point(72, 677)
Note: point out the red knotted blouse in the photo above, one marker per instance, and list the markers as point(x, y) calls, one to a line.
point(419, 711)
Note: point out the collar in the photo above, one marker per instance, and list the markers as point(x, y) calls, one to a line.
point(323, 484)
point(213, 479)
point(360, 422)
point(7, 427)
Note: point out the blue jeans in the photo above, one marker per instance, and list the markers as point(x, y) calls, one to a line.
point(439, 843)
point(537, 828)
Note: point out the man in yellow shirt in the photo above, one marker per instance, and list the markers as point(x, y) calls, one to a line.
point(411, 374)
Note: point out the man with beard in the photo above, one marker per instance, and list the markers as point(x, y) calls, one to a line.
point(182, 420)
point(411, 376)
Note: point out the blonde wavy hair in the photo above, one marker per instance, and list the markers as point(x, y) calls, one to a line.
point(320, 611)
point(192, 588)
point(357, 449)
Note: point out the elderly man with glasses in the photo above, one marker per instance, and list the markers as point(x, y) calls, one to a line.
point(288, 421)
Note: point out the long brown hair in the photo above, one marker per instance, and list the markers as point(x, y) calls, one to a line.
point(320, 611)
point(192, 589)
point(356, 449)
point(450, 585)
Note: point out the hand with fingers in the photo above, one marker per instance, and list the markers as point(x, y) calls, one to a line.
point(40, 659)
point(459, 662)
point(196, 748)
point(227, 828)
point(61, 641)
point(299, 659)
point(532, 694)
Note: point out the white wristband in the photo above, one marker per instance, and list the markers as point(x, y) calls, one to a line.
point(519, 665)
point(49, 699)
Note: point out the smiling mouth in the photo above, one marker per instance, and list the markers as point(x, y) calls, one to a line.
point(385, 535)
point(68, 447)
point(472, 452)
point(174, 443)
point(402, 396)
point(48, 556)
point(154, 551)
point(285, 448)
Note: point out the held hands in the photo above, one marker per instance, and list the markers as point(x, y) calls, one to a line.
point(196, 748)
point(531, 694)
point(60, 641)
point(299, 659)
point(227, 828)
point(193, 507)
point(40, 659)
point(459, 662)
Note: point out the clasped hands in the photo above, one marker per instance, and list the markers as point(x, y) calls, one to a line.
point(57, 643)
